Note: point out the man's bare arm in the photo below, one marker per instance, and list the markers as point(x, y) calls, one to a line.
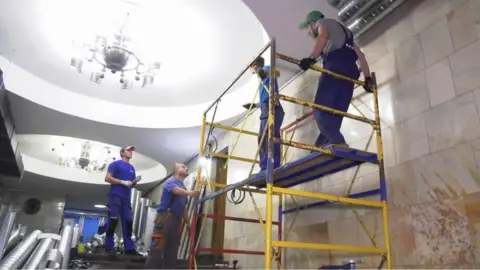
point(112, 180)
point(362, 60)
point(183, 192)
point(321, 42)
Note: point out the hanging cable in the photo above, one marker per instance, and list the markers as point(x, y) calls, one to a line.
point(234, 199)
point(210, 130)
point(216, 143)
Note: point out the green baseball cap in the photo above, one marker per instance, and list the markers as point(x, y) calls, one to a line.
point(311, 17)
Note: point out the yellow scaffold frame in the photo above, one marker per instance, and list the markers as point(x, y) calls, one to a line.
point(273, 248)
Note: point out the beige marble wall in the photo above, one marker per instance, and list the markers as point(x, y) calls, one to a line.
point(427, 59)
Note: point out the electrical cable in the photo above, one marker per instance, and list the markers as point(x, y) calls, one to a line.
point(234, 199)
point(210, 130)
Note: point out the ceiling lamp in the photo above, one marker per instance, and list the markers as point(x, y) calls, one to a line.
point(87, 158)
point(113, 53)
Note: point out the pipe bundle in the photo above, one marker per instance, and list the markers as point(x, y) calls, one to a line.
point(20, 254)
point(65, 245)
point(6, 230)
point(39, 255)
point(136, 196)
point(15, 238)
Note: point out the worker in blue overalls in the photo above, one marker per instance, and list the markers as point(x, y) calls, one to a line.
point(335, 44)
point(121, 176)
point(167, 224)
point(263, 72)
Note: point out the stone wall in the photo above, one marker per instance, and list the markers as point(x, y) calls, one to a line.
point(427, 58)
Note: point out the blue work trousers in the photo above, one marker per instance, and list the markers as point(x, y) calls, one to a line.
point(337, 94)
point(120, 208)
point(279, 115)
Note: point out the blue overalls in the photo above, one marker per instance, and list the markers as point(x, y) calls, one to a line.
point(279, 115)
point(119, 207)
point(335, 93)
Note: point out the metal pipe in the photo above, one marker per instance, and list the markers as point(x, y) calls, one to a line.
point(238, 77)
point(360, 12)
point(146, 206)
point(6, 229)
point(269, 177)
point(3, 212)
point(142, 211)
point(75, 236)
point(382, 10)
point(40, 253)
point(19, 255)
point(149, 226)
point(345, 11)
point(54, 259)
point(15, 238)
point(64, 245)
point(364, 194)
point(136, 213)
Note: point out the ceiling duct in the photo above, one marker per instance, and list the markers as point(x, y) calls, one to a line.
point(361, 15)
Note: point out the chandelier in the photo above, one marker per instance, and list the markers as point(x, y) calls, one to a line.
point(86, 159)
point(113, 53)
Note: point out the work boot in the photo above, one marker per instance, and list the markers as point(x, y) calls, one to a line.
point(345, 145)
point(133, 252)
point(111, 252)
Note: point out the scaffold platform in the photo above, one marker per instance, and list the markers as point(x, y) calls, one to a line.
point(279, 182)
point(306, 169)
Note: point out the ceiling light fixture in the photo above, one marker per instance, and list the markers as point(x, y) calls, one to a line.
point(99, 206)
point(114, 53)
point(87, 158)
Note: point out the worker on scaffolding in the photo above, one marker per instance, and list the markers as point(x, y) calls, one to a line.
point(263, 71)
point(335, 44)
point(167, 224)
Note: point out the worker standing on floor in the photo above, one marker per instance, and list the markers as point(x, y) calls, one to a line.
point(167, 229)
point(121, 176)
point(263, 71)
point(335, 44)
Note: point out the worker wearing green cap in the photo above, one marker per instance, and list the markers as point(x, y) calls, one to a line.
point(335, 44)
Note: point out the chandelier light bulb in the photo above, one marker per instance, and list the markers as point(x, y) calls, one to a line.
point(90, 158)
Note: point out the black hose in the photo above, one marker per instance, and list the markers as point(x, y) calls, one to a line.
point(234, 199)
point(210, 130)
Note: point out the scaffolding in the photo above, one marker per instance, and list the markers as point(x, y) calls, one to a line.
point(278, 182)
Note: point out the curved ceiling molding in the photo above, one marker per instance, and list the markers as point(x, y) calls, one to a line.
point(43, 154)
point(30, 87)
point(48, 169)
point(197, 64)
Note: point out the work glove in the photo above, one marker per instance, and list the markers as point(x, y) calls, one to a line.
point(137, 179)
point(369, 83)
point(126, 183)
point(247, 105)
point(306, 63)
point(262, 74)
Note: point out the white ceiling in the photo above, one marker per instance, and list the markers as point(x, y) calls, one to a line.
point(51, 147)
point(193, 39)
point(280, 18)
point(79, 196)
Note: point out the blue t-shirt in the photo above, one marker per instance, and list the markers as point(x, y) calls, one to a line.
point(121, 170)
point(175, 203)
point(264, 96)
